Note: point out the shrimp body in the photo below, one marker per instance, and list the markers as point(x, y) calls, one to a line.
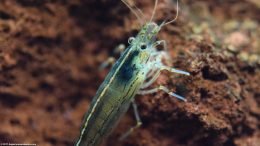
point(120, 86)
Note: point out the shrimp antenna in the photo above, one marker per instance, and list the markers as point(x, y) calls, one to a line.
point(154, 10)
point(177, 13)
point(135, 12)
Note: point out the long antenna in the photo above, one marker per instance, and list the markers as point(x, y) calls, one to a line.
point(135, 13)
point(140, 12)
point(177, 13)
point(154, 10)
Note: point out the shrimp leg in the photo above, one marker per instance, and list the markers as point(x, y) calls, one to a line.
point(162, 88)
point(138, 122)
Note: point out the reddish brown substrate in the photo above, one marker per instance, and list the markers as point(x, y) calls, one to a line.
point(50, 51)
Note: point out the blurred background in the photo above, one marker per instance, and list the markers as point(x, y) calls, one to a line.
point(50, 52)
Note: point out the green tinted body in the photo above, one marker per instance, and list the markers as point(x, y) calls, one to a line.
point(118, 89)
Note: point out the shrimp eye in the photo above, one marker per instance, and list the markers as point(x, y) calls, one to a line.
point(143, 46)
